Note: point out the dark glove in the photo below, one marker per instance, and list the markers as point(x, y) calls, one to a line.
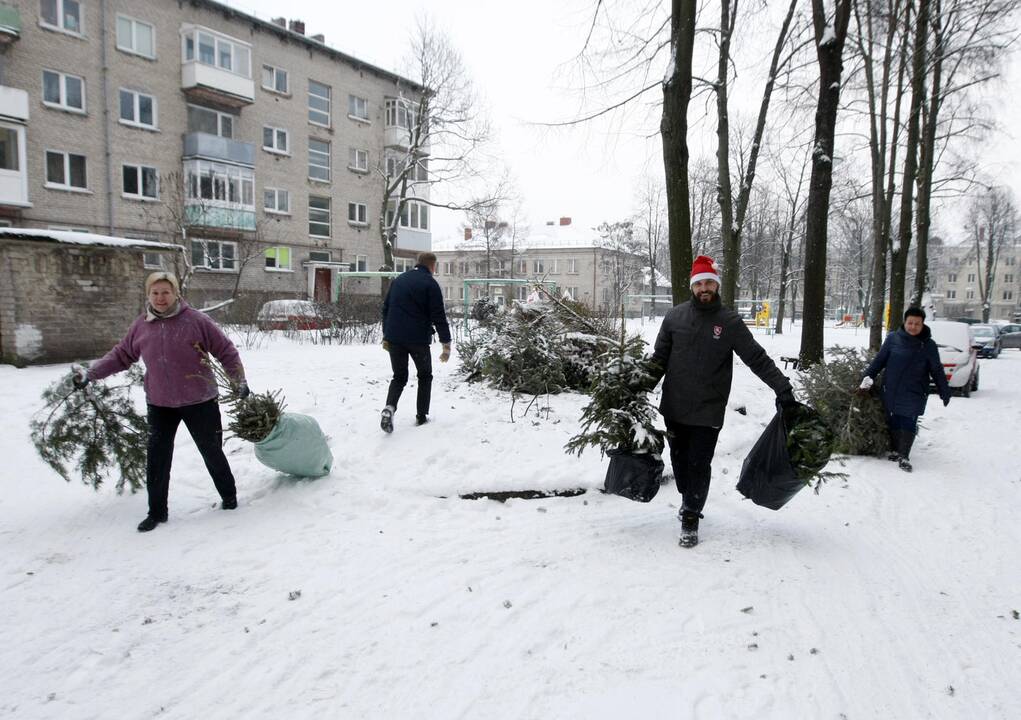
point(243, 390)
point(786, 400)
point(79, 377)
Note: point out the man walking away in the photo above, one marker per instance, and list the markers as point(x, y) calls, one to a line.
point(412, 308)
point(695, 353)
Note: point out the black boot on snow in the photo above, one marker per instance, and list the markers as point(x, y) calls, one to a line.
point(386, 419)
point(150, 522)
point(907, 439)
point(230, 503)
point(689, 529)
point(421, 419)
point(894, 454)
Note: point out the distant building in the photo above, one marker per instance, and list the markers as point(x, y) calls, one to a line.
point(955, 284)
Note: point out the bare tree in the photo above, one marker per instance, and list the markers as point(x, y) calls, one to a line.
point(793, 211)
point(993, 225)
point(651, 227)
point(622, 255)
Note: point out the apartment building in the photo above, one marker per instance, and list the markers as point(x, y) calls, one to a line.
point(574, 260)
point(259, 149)
point(956, 284)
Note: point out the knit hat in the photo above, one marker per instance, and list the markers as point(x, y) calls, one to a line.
point(704, 268)
point(165, 277)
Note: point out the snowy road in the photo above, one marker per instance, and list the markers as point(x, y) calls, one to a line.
point(892, 595)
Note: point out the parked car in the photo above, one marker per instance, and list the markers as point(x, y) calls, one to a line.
point(988, 338)
point(291, 315)
point(958, 353)
point(1010, 336)
point(966, 320)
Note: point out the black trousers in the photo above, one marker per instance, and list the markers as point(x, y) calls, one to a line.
point(691, 455)
point(203, 422)
point(399, 355)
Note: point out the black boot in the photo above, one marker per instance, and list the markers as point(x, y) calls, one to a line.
point(386, 419)
point(230, 503)
point(689, 528)
point(150, 522)
point(894, 446)
point(907, 439)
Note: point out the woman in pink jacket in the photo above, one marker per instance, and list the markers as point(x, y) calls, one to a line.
point(166, 337)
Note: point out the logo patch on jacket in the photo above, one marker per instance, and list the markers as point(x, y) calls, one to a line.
point(717, 331)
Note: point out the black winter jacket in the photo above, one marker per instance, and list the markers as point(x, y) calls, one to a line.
point(413, 305)
point(695, 352)
point(909, 360)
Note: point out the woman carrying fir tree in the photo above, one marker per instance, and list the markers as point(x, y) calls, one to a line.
point(168, 338)
point(910, 358)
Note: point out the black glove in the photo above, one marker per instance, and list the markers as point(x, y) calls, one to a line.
point(243, 390)
point(79, 377)
point(946, 400)
point(786, 400)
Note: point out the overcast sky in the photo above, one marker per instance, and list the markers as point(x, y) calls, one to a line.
point(521, 55)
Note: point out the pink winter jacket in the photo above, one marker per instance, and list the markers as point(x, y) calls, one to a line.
point(174, 375)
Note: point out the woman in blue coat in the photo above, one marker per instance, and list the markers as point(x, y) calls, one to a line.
point(910, 358)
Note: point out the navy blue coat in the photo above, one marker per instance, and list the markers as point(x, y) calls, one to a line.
point(413, 305)
point(909, 360)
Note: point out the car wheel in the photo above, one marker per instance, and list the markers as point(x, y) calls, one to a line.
point(974, 383)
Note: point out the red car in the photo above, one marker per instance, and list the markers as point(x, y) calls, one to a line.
point(291, 315)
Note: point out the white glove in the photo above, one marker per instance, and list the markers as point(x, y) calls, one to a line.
point(79, 376)
point(445, 355)
point(866, 383)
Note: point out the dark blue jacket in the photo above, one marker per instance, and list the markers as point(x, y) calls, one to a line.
point(910, 360)
point(413, 305)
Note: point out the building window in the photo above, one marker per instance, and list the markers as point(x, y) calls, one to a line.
point(1010, 260)
point(538, 267)
point(403, 264)
point(572, 266)
point(571, 292)
point(357, 213)
point(606, 295)
point(274, 79)
point(214, 254)
point(204, 120)
point(358, 160)
point(220, 51)
point(278, 258)
point(553, 268)
point(62, 91)
point(952, 277)
point(318, 160)
point(275, 140)
point(401, 113)
point(318, 103)
point(135, 36)
point(63, 15)
point(415, 215)
point(1008, 277)
point(220, 184)
point(65, 171)
point(137, 109)
point(522, 267)
point(152, 260)
point(448, 267)
point(10, 148)
point(319, 216)
point(460, 293)
point(140, 182)
point(971, 277)
point(357, 107)
point(462, 268)
point(970, 295)
point(422, 170)
point(523, 292)
point(319, 256)
point(951, 294)
point(361, 263)
point(1008, 294)
point(276, 200)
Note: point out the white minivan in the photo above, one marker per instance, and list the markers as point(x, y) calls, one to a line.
point(958, 354)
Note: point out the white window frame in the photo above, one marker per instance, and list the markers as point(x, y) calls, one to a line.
point(360, 212)
point(192, 32)
point(20, 158)
point(356, 103)
point(147, 261)
point(1008, 294)
point(277, 267)
point(136, 105)
point(971, 277)
point(277, 194)
point(951, 294)
point(276, 72)
point(522, 267)
point(328, 99)
point(1008, 277)
point(220, 117)
point(62, 103)
point(361, 263)
point(276, 133)
point(401, 113)
point(329, 216)
point(572, 292)
point(554, 267)
point(358, 160)
point(970, 295)
point(139, 180)
point(135, 22)
point(952, 277)
point(327, 253)
point(403, 264)
point(59, 5)
point(223, 176)
point(67, 172)
point(538, 266)
point(318, 154)
point(572, 266)
point(220, 244)
point(448, 267)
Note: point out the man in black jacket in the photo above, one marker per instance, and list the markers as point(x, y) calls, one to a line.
point(695, 353)
point(413, 306)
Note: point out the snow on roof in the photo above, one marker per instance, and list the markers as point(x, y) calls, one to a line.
point(69, 237)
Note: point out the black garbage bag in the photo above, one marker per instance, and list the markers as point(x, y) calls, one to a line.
point(792, 449)
point(636, 476)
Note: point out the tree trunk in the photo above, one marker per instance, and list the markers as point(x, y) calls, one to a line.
point(928, 160)
point(728, 233)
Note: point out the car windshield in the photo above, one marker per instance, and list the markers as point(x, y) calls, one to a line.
point(983, 332)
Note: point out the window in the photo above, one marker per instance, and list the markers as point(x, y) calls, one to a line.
point(538, 267)
point(1008, 294)
point(462, 268)
point(274, 79)
point(152, 260)
point(358, 160)
point(401, 113)
point(213, 122)
point(319, 256)
point(214, 254)
point(971, 277)
point(415, 215)
point(448, 267)
point(971, 295)
point(572, 266)
point(522, 292)
point(571, 292)
point(522, 267)
point(318, 160)
point(1008, 277)
point(276, 200)
point(278, 258)
point(553, 267)
point(218, 51)
point(275, 140)
point(139, 182)
point(357, 213)
point(62, 15)
point(361, 263)
point(1010, 260)
point(952, 277)
point(391, 167)
point(66, 92)
point(318, 103)
point(220, 184)
point(135, 36)
point(951, 294)
point(65, 170)
point(319, 216)
point(460, 293)
point(137, 109)
point(403, 264)
point(357, 107)
point(10, 149)
point(422, 170)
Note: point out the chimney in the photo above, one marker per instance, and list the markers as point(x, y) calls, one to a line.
point(501, 225)
point(297, 26)
point(550, 223)
point(467, 233)
point(565, 221)
point(320, 38)
point(282, 22)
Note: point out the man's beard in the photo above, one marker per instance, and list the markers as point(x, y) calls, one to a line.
point(706, 298)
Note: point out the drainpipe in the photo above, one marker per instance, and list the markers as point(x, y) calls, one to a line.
point(104, 72)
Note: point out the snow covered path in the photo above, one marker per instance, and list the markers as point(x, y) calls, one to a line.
point(892, 595)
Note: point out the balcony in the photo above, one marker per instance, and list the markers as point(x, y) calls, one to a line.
point(10, 24)
point(13, 104)
point(203, 214)
point(212, 85)
point(13, 162)
point(213, 147)
point(396, 136)
point(414, 240)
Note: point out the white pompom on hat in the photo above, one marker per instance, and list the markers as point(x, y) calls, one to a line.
point(163, 276)
point(704, 268)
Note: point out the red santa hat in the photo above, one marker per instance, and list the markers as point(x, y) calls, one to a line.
point(704, 268)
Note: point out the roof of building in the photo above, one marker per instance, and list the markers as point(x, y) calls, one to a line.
point(551, 237)
point(70, 237)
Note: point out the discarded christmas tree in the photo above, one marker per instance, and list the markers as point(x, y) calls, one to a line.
point(252, 418)
point(95, 430)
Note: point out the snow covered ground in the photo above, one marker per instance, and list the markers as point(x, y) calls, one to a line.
point(376, 592)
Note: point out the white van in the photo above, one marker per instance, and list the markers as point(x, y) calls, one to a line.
point(957, 352)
